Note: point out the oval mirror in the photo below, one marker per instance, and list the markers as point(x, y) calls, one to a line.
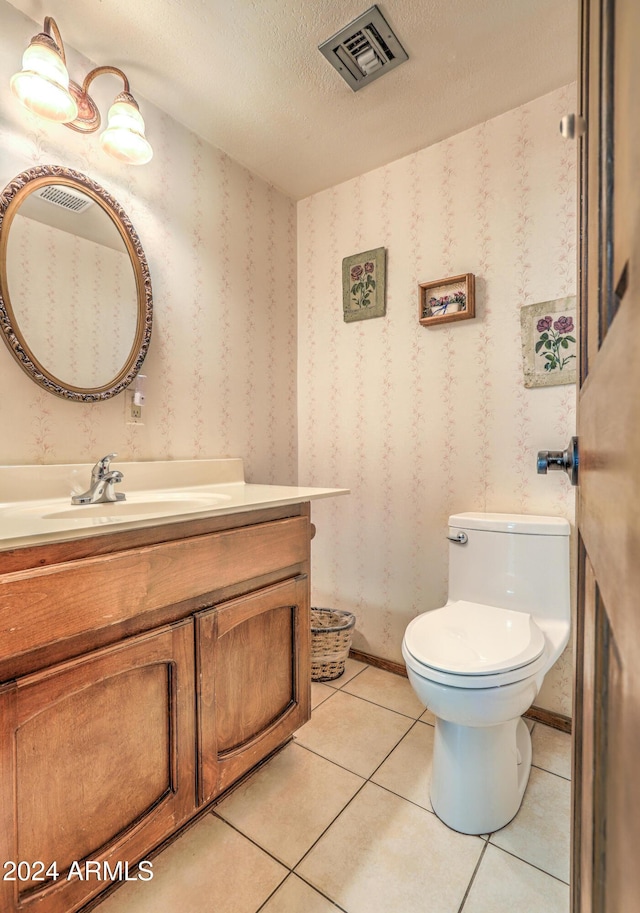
point(75, 291)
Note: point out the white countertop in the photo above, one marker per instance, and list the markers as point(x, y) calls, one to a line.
point(35, 501)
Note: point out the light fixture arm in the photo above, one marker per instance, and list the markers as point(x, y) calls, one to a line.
point(52, 33)
point(50, 26)
point(98, 71)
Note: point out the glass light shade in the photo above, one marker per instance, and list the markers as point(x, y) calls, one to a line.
point(124, 137)
point(43, 85)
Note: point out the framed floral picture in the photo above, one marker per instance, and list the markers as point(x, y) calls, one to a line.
point(363, 285)
point(446, 300)
point(549, 342)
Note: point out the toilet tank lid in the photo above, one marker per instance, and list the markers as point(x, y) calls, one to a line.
point(511, 523)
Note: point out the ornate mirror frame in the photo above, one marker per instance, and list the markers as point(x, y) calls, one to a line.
point(10, 199)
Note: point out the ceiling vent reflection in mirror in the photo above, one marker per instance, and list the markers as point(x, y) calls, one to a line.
point(65, 197)
point(364, 50)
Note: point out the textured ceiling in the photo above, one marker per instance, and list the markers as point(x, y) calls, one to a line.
point(246, 75)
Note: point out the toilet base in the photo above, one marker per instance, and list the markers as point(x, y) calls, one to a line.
point(479, 774)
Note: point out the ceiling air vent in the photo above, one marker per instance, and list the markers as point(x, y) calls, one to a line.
point(364, 49)
point(66, 197)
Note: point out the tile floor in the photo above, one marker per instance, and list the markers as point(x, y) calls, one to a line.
point(340, 819)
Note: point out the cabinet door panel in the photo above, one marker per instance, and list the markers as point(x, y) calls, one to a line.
point(52, 787)
point(254, 680)
point(94, 768)
point(254, 675)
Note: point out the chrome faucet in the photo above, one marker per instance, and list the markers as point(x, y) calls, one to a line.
point(103, 480)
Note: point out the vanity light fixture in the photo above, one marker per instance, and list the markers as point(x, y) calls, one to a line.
point(43, 86)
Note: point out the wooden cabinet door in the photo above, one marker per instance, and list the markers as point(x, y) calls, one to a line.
point(90, 767)
point(254, 680)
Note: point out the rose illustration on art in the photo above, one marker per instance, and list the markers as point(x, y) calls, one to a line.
point(554, 343)
point(362, 288)
point(564, 324)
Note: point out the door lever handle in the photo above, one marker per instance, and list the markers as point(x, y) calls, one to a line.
point(561, 459)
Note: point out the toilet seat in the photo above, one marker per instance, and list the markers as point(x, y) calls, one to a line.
point(472, 645)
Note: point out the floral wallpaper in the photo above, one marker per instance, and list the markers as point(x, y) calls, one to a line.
point(419, 422)
point(220, 244)
point(422, 422)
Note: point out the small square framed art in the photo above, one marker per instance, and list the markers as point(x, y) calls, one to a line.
point(446, 300)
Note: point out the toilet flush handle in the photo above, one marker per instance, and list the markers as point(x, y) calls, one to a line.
point(460, 538)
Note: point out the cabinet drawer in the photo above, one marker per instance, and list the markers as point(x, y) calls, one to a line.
point(46, 605)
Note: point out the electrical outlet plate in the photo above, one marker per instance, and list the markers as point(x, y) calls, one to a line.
point(132, 412)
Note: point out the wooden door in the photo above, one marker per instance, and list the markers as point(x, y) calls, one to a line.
point(90, 768)
point(254, 680)
point(606, 831)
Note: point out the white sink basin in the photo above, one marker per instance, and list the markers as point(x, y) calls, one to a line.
point(160, 507)
point(137, 504)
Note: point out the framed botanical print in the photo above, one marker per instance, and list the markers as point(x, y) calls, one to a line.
point(363, 285)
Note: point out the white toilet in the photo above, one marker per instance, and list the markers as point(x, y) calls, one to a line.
point(478, 662)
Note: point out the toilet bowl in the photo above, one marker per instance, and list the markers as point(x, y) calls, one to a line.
point(479, 661)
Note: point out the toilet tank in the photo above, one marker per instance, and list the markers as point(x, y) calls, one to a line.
point(512, 561)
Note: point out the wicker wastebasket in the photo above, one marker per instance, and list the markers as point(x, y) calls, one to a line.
point(331, 631)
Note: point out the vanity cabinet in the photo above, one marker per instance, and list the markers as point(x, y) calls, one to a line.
point(141, 674)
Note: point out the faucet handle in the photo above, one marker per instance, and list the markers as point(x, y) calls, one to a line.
point(102, 467)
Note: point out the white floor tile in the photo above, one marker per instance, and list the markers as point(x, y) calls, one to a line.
point(504, 884)
point(386, 855)
point(387, 689)
point(295, 896)
point(354, 733)
point(287, 804)
point(210, 867)
point(552, 750)
point(319, 693)
point(407, 770)
point(539, 833)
